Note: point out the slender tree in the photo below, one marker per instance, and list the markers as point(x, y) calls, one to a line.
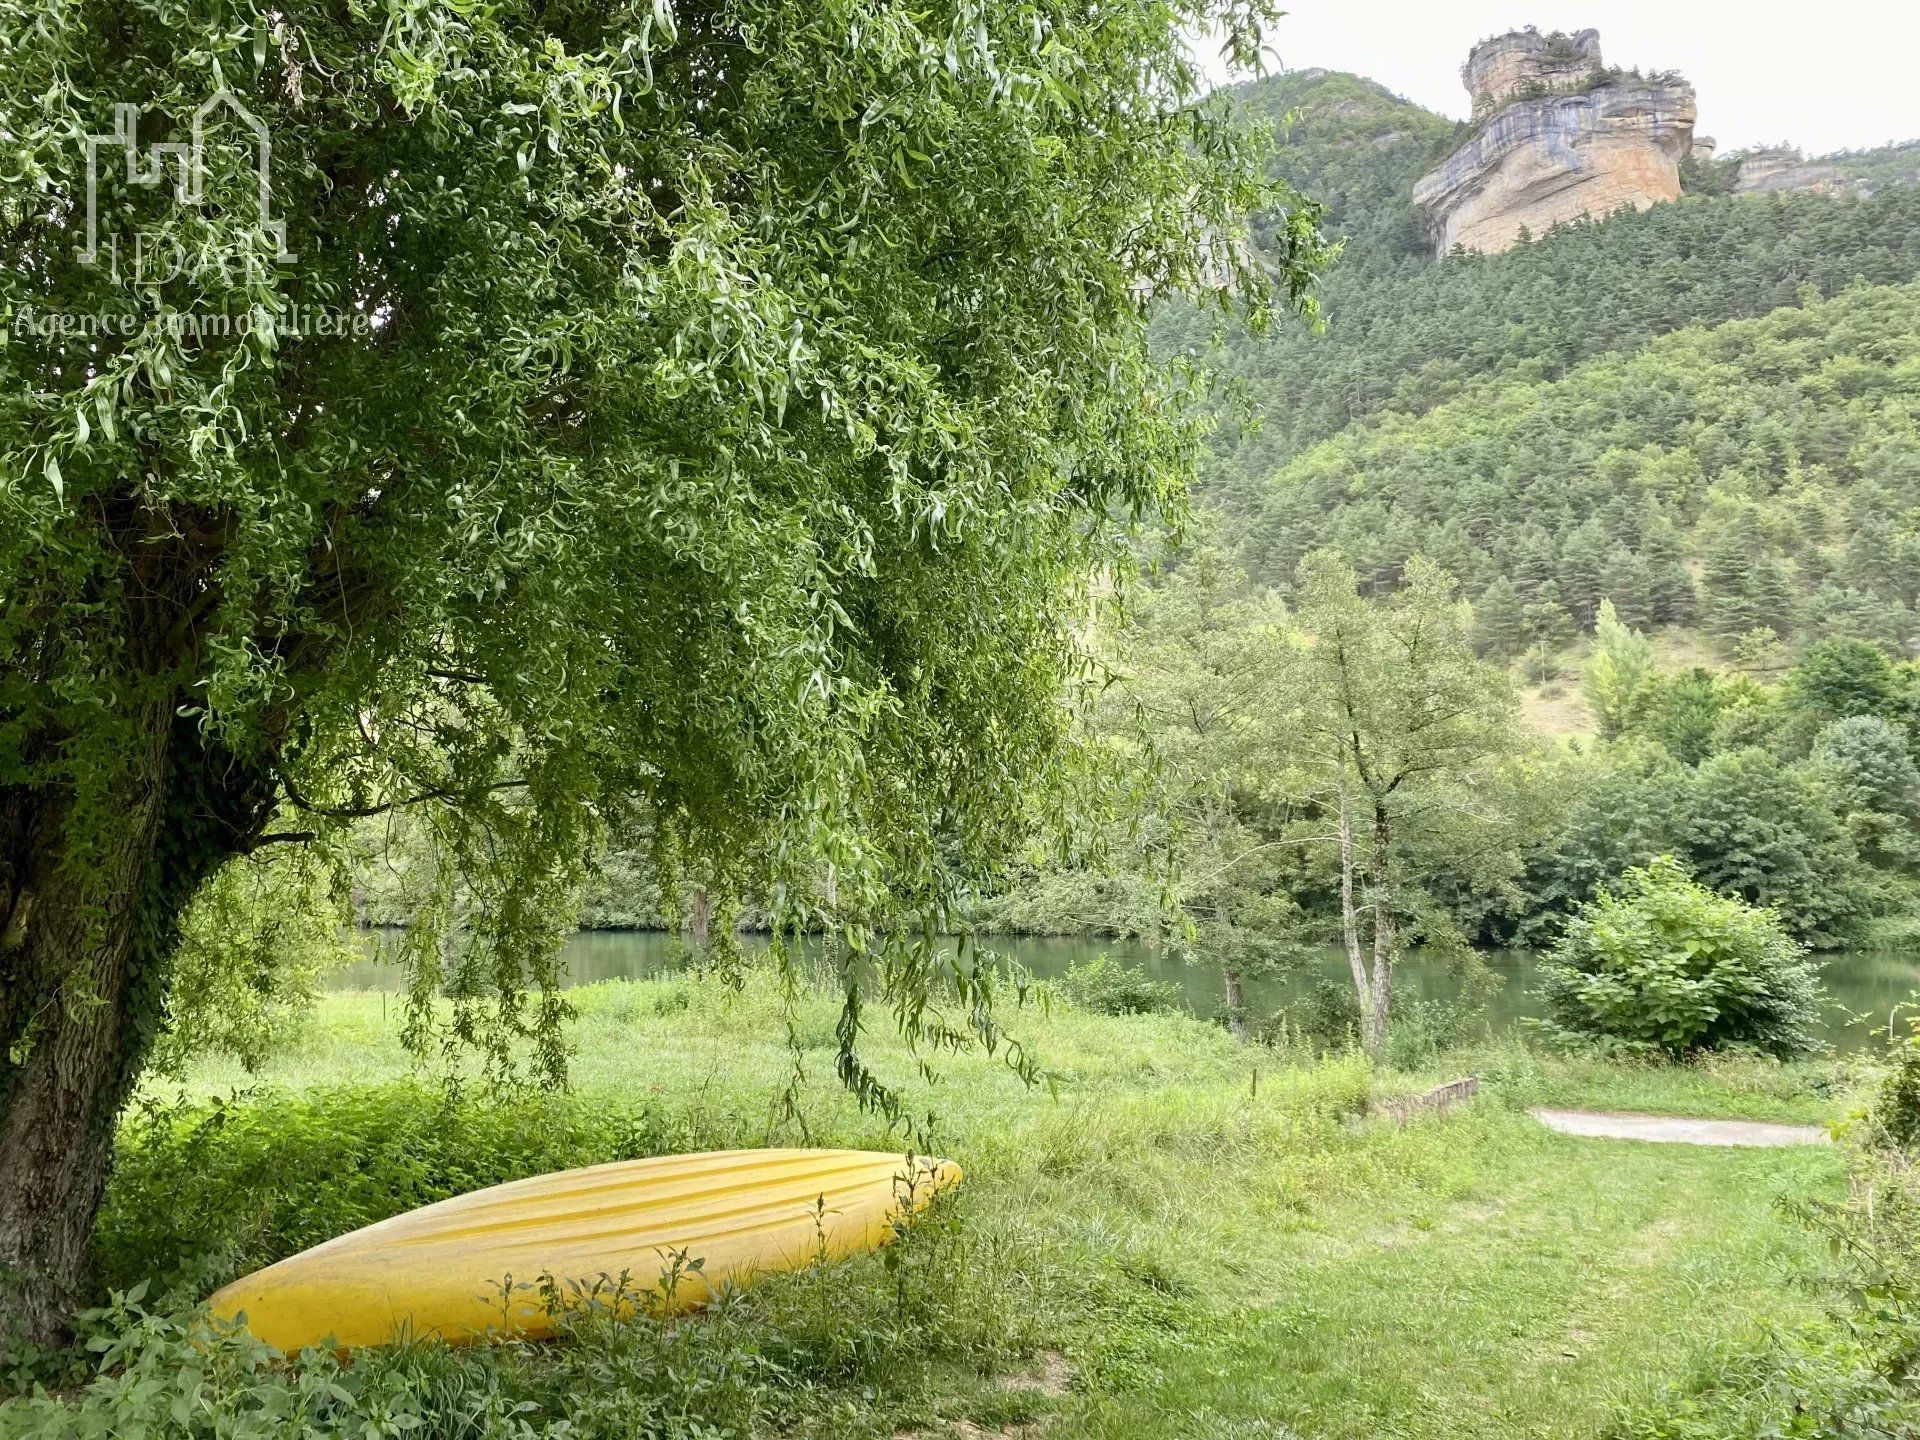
point(527, 407)
point(1198, 669)
point(1615, 682)
point(1401, 715)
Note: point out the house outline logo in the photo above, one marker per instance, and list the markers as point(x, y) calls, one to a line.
point(188, 162)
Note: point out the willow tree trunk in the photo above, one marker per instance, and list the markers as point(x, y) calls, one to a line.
point(88, 923)
point(1380, 884)
point(700, 916)
point(1236, 1006)
point(1349, 912)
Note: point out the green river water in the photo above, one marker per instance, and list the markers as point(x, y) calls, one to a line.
point(1863, 986)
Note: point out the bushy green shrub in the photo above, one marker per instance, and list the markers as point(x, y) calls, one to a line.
point(1662, 965)
point(1109, 987)
point(206, 1191)
point(1326, 1018)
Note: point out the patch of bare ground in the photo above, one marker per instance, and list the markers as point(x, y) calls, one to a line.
point(1050, 1375)
point(1557, 709)
point(1677, 1129)
point(969, 1430)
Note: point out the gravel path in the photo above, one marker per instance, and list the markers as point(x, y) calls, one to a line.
point(1677, 1129)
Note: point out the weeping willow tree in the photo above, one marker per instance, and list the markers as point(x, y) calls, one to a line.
point(506, 413)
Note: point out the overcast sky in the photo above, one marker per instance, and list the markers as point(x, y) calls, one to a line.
point(1833, 75)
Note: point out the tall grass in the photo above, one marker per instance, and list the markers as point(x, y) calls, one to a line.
point(1197, 1233)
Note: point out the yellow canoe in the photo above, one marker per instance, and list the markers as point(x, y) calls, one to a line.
point(444, 1270)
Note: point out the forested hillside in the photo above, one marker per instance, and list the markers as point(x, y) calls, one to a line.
point(1404, 333)
point(1356, 148)
point(1702, 418)
point(1410, 338)
point(1782, 452)
point(1881, 165)
point(1533, 419)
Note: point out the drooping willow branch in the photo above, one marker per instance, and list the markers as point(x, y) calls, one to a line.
point(363, 812)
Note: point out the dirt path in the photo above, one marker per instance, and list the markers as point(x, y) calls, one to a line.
point(1677, 1129)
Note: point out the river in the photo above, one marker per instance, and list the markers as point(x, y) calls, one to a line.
point(1863, 987)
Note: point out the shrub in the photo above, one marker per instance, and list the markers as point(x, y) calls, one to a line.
point(205, 1191)
point(1662, 965)
point(1108, 987)
point(1326, 1018)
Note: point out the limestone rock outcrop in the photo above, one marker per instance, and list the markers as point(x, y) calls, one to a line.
point(1526, 65)
point(1779, 168)
point(1558, 137)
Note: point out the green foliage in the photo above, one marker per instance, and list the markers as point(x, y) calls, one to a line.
point(1195, 716)
point(1107, 986)
point(1502, 625)
point(1133, 1227)
point(817, 328)
point(1682, 711)
point(1875, 761)
point(207, 1191)
point(1615, 680)
point(1846, 1379)
point(1357, 149)
point(1250, 730)
point(1897, 164)
point(1839, 679)
point(1851, 1373)
point(1784, 452)
point(1405, 334)
point(1326, 1018)
point(1746, 821)
point(750, 1363)
point(1403, 738)
point(1662, 965)
point(1894, 1118)
point(254, 946)
point(1619, 807)
point(720, 411)
point(1770, 833)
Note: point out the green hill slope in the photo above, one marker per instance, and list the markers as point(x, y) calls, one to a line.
point(1550, 418)
point(1778, 457)
point(1883, 165)
point(1405, 332)
point(1405, 339)
point(1357, 148)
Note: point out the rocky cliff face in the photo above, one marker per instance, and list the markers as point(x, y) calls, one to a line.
point(1773, 170)
point(1559, 137)
point(1526, 65)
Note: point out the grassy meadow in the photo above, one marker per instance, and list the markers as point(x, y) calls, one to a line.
point(1175, 1235)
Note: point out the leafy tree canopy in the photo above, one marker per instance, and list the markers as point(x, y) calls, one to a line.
point(719, 404)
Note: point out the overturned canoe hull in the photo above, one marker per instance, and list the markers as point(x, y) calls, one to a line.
point(666, 1233)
